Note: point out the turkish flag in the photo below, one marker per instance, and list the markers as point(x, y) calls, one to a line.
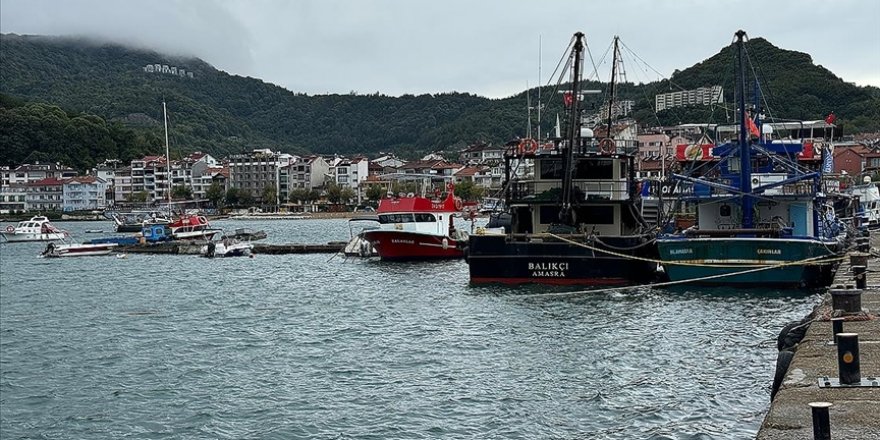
point(753, 129)
point(567, 99)
point(830, 118)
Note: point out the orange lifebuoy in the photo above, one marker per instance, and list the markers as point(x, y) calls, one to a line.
point(10, 228)
point(606, 146)
point(528, 146)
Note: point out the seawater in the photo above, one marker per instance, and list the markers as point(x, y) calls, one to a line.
point(315, 346)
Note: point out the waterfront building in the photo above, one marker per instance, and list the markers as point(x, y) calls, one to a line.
point(45, 195)
point(479, 175)
point(698, 96)
point(122, 187)
point(208, 177)
point(12, 198)
point(84, 193)
point(481, 153)
point(256, 170)
point(28, 173)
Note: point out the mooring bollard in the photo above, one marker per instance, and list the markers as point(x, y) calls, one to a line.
point(836, 328)
point(848, 358)
point(821, 420)
point(860, 274)
point(848, 300)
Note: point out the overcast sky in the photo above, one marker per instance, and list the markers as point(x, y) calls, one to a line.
point(486, 47)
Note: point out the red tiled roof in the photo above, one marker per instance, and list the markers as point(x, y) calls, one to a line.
point(49, 181)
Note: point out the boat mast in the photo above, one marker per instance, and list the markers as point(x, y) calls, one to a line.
point(745, 156)
point(611, 92)
point(574, 132)
point(167, 160)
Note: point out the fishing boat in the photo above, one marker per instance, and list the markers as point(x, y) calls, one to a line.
point(574, 220)
point(762, 218)
point(59, 250)
point(38, 228)
point(417, 228)
point(192, 227)
point(868, 209)
point(134, 221)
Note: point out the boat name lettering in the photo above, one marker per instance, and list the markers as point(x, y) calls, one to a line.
point(681, 251)
point(769, 251)
point(436, 205)
point(548, 266)
point(548, 270)
point(399, 241)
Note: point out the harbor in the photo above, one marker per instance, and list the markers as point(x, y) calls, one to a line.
point(245, 347)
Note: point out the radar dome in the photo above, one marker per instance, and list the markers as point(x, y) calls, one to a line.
point(766, 129)
point(586, 132)
point(867, 179)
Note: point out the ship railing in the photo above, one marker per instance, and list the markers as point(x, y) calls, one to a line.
point(586, 190)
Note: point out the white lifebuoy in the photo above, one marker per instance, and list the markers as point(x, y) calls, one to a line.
point(10, 228)
point(458, 204)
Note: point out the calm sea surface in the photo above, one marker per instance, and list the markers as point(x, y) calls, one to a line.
point(305, 346)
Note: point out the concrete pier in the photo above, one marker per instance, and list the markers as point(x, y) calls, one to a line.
point(194, 248)
point(855, 411)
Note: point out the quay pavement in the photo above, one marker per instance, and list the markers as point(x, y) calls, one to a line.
point(855, 411)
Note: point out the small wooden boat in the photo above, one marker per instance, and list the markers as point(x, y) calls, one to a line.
point(55, 250)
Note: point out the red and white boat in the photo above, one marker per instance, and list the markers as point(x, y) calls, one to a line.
point(417, 228)
point(192, 227)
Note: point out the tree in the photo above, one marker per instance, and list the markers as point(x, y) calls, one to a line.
point(299, 195)
point(334, 193)
point(233, 196)
point(246, 199)
point(181, 192)
point(138, 197)
point(374, 192)
point(468, 191)
point(347, 194)
point(314, 195)
point(269, 195)
point(215, 193)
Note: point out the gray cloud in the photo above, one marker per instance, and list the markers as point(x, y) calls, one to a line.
point(486, 47)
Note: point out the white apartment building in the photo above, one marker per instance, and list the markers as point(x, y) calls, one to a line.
point(699, 96)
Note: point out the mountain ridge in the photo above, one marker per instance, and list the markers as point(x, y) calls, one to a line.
point(224, 113)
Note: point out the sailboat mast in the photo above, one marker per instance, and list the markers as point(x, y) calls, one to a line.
point(745, 156)
point(539, 88)
point(611, 92)
point(167, 160)
point(574, 133)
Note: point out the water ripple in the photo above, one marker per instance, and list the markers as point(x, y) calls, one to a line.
point(296, 346)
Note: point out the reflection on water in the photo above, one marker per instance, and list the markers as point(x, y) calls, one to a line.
point(305, 346)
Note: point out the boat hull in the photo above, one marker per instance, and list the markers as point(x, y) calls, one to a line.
point(403, 245)
point(497, 259)
point(79, 250)
point(717, 257)
point(14, 237)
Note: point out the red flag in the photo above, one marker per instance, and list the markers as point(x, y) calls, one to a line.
point(567, 99)
point(830, 118)
point(753, 129)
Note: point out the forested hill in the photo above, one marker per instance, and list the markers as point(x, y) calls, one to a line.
point(221, 113)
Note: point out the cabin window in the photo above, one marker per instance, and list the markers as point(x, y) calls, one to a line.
point(396, 218)
point(548, 215)
point(425, 218)
point(594, 169)
point(551, 169)
point(597, 215)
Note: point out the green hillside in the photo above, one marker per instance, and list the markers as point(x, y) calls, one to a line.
point(222, 113)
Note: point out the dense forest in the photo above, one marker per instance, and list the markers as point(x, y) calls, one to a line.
point(81, 101)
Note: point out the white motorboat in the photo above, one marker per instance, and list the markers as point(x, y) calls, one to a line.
point(227, 248)
point(37, 228)
point(54, 250)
